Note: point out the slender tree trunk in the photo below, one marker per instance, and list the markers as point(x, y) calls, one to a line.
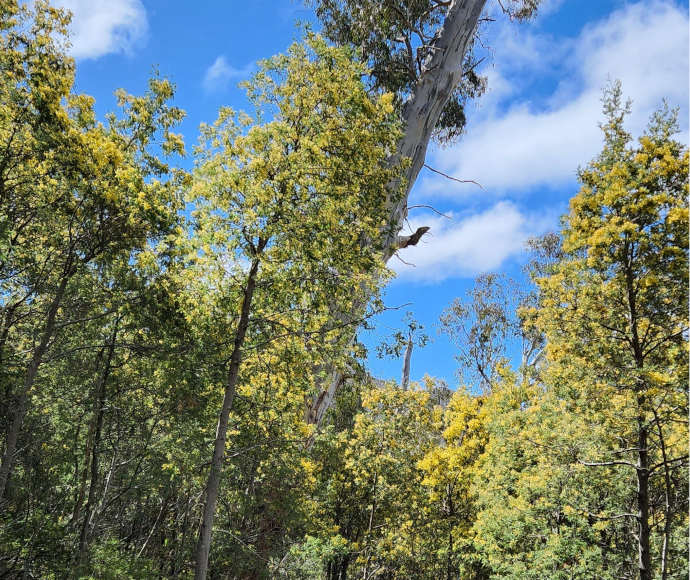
point(449, 558)
point(667, 500)
point(405, 382)
point(203, 547)
point(344, 565)
point(88, 451)
point(22, 404)
point(154, 527)
point(370, 528)
point(644, 558)
point(97, 422)
point(7, 315)
point(441, 73)
point(451, 514)
point(178, 554)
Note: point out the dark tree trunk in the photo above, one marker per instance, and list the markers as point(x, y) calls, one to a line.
point(22, 404)
point(88, 450)
point(668, 513)
point(97, 423)
point(644, 558)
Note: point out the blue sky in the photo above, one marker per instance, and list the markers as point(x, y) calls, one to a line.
point(525, 137)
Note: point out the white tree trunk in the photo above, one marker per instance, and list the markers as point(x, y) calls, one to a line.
point(441, 73)
point(405, 381)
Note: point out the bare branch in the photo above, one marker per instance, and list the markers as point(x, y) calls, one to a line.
point(431, 208)
point(479, 185)
point(606, 463)
point(403, 261)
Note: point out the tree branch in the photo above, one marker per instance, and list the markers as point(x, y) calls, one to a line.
point(479, 185)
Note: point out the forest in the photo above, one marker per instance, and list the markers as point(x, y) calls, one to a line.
point(183, 393)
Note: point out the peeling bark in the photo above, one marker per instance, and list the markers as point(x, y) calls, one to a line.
point(441, 73)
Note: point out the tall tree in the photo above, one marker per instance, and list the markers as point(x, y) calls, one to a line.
point(288, 204)
point(82, 191)
point(421, 50)
point(614, 313)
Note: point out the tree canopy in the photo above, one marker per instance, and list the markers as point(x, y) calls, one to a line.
point(165, 334)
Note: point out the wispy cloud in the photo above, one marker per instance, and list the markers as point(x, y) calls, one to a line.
point(468, 246)
point(101, 27)
point(516, 142)
point(221, 72)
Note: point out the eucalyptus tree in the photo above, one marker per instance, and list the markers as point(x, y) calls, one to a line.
point(481, 327)
point(422, 51)
point(407, 339)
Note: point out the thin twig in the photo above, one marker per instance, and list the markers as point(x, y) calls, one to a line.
point(429, 207)
point(403, 261)
point(479, 185)
point(606, 463)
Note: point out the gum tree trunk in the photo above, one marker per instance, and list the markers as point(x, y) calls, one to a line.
point(441, 73)
point(405, 382)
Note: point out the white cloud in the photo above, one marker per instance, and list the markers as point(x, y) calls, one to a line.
point(220, 73)
point(478, 243)
point(100, 27)
point(524, 145)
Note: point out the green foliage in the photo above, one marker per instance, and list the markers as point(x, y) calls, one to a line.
point(288, 217)
point(118, 314)
point(413, 334)
point(481, 327)
point(311, 558)
point(369, 486)
point(110, 562)
point(583, 470)
point(397, 37)
point(83, 207)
